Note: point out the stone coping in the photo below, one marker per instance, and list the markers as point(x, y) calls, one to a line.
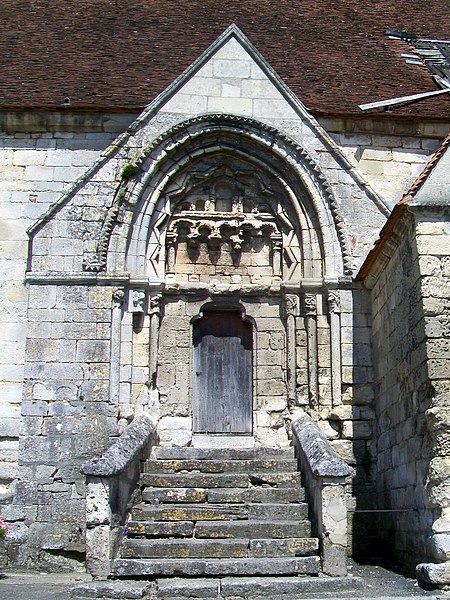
point(321, 458)
point(119, 455)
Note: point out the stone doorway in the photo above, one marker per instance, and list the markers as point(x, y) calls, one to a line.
point(222, 373)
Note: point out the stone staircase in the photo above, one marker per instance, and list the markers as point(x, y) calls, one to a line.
point(218, 513)
point(222, 524)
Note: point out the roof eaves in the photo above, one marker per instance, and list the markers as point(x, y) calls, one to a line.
point(398, 211)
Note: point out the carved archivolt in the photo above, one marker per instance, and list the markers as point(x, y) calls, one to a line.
point(276, 160)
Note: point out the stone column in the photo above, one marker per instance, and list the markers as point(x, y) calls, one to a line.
point(310, 312)
point(334, 310)
point(290, 307)
point(277, 247)
point(155, 311)
point(171, 240)
point(116, 325)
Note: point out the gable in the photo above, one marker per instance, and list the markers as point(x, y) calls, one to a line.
point(230, 87)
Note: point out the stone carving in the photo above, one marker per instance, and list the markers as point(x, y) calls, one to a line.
point(137, 301)
point(290, 305)
point(118, 297)
point(334, 302)
point(310, 305)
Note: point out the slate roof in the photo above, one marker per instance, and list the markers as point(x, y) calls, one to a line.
point(118, 55)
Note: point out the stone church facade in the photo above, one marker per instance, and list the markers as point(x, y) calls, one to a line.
point(218, 266)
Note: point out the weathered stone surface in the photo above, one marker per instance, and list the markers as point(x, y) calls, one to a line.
point(286, 547)
point(322, 460)
point(119, 590)
point(208, 512)
point(121, 453)
point(168, 589)
point(188, 480)
point(260, 587)
point(263, 494)
point(211, 567)
point(253, 529)
point(155, 529)
point(185, 549)
point(435, 574)
point(154, 496)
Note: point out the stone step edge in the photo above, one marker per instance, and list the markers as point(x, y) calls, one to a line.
point(218, 567)
point(278, 586)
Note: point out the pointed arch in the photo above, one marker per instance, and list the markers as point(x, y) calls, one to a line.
point(196, 150)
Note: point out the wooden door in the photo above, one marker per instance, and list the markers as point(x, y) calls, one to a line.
point(222, 379)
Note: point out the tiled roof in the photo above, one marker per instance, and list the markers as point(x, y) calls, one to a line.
point(117, 55)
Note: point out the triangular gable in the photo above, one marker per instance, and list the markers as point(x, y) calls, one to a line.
point(232, 78)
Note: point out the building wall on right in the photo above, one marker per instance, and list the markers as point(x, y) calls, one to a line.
point(411, 342)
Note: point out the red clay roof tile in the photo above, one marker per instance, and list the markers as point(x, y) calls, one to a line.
point(116, 55)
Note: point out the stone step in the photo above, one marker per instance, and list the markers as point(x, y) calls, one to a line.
point(222, 512)
point(169, 567)
point(221, 466)
point(162, 529)
point(224, 495)
point(273, 588)
point(220, 480)
point(225, 548)
point(185, 512)
point(257, 495)
point(185, 549)
point(252, 529)
point(222, 453)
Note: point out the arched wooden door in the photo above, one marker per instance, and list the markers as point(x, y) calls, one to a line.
point(222, 378)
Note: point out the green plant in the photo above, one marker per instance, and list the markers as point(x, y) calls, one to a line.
point(5, 529)
point(128, 171)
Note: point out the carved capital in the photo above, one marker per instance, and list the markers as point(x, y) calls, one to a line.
point(136, 302)
point(334, 302)
point(290, 305)
point(118, 297)
point(171, 238)
point(155, 305)
point(310, 305)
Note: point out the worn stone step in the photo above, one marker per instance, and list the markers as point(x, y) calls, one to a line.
point(222, 453)
point(254, 588)
point(220, 480)
point(224, 495)
point(174, 494)
point(222, 512)
point(220, 466)
point(114, 589)
point(132, 567)
point(206, 512)
point(290, 512)
point(257, 495)
point(307, 546)
point(224, 548)
point(252, 529)
point(185, 548)
point(160, 528)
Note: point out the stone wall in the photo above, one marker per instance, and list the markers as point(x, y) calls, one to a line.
point(410, 302)
point(40, 159)
point(66, 417)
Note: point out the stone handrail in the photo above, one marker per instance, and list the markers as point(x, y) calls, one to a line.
point(324, 475)
point(110, 482)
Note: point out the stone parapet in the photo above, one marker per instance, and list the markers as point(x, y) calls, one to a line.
point(324, 476)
